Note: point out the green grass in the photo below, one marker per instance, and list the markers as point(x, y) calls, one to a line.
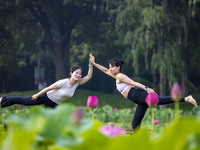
point(114, 100)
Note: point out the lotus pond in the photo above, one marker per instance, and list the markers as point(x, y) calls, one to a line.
point(69, 127)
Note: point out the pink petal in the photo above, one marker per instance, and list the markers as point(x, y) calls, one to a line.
point(92, 102)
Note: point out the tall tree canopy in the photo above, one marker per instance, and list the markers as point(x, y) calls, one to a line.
point(56, 20)
point(157, 33)
point(158, 38)
point(15, 30)
point(67, 29)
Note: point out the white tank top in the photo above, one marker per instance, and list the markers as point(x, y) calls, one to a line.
point(122, 87)
point(63, 92)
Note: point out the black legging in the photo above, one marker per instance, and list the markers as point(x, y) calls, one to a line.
point(42, 99)
point(138, 96)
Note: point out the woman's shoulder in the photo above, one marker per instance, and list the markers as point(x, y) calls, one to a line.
point(63, 80)
point(120, 75)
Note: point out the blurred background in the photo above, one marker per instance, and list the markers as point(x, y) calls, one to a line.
point(157, 39)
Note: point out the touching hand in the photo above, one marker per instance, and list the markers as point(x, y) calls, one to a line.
point(149, 90)
point(92, 59)
point(34, 97)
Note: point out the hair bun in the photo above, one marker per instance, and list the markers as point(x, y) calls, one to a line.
point(121, 61)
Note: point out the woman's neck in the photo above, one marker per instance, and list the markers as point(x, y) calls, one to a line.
point(72, 82)
point(117, 73)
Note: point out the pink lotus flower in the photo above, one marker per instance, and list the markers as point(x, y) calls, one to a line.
point(176, 92)
point(19, 107)
point(156, 122)
point(114, 109)
point(76, 116)
point(152, 99)
point(112, 131)
point(92, 102)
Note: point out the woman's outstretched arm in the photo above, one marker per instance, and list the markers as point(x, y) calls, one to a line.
point(102, 68)
point(51, 87)
point(125, 79)
point(88, 76)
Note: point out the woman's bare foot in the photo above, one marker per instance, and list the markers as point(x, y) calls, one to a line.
point(191, 100)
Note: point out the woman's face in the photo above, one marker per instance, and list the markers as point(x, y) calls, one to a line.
point(114, 69)
point(76, 75)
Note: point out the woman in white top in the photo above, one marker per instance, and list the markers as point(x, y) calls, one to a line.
point(134, 91)
point(55, 93)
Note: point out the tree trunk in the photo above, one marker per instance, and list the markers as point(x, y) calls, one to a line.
point(160, 50)
point(184, 82)
point(162, 89)
point(60, 58)
point(57, 35)
point(162, 86)
point(184, 76)
point(154, 80)
point(61, 66)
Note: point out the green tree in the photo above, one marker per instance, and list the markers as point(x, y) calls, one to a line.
point(57, 20)
point(68, 30)
point(193, 64)
point(157, 34)
point(97, 36)
point(16, 44)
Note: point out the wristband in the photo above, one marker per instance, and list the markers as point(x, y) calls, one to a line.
point(90, 65)
point(146, 87)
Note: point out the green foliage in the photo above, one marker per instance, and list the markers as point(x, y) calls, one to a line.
point(44, 128)
point(180, 130)
point(17, 44)
point(156, 33)
point(72, 29)
point(177, 136)
point(68, 30)
point(93, 139)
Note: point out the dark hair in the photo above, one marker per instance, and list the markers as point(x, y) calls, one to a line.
point(74, 68)
point(116, 62)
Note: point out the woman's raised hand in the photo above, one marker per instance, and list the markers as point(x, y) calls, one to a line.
point(92, 59)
